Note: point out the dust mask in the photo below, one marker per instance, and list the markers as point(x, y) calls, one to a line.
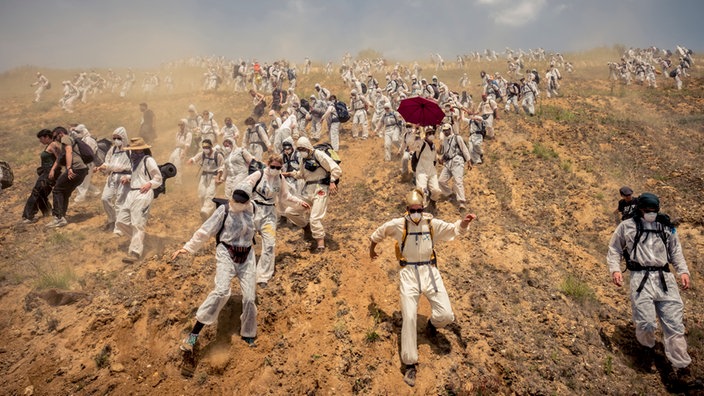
point(117, 142)
point(650, 217)
point(303, 154)
point(415, 217)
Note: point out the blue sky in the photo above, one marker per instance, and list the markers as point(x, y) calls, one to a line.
point(84, 33)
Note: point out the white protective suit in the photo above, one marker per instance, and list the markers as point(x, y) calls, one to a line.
point(132, 215)
point(271, 190)
point(419, 276)
point(210, 166)
point(316, 188)
point(184, 138)
point(653, 303)
point(237, 231)
point(117, 164)
point(426, 174)
point(454, 156)
point(236, 169)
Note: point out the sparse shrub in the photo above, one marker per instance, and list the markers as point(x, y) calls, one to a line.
point(340, 330)
point(609, 365)
point(371, 336)
point(53, 277)
point(577, 289)
point(102, 359)
point(544, 152)
point(566, 166)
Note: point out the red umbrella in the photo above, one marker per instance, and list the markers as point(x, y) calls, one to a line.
point(421, 111)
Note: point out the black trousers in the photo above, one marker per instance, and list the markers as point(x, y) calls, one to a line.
point(39, 197)
point(63, 190)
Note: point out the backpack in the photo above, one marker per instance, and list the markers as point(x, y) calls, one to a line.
point(673, 73)
point(255, 165)
point(364, 89)
point(305, 104)
point(103, 147)
point(327, 149)
point(415, 158)
point(6, 175)
point(514, 89)
point(481, 127)
point(536, 77)
point(224, 201)
point(168, 170)
point(399, 247)
point(436, 91)
point(84, 150)
point(343, 115)
point(312, 164)
point(291, 74)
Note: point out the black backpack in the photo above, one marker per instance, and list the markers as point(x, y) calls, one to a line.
point(436, 91)
point(84, 150)
point(255, 165)
point(343, 115)
point(364, 89)
point(7, 176)
point(291, 74)
point(103, 148)
point(673, 73)
point(168, 170)
point(536, 77)
point(305, 104)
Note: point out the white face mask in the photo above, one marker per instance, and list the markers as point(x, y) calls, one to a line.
point(303, 154)
point(228, 149)
point(117, 142)
point(650, 217)
point(415, 217)
point(430, 138)
point(207, 151)
point(273, 172)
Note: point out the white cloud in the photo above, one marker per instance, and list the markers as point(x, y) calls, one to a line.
point(512, 13)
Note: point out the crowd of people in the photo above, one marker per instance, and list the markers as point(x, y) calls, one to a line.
point(645, 65)
point(279, 170)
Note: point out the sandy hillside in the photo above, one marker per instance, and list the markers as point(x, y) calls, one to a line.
point(535, 310)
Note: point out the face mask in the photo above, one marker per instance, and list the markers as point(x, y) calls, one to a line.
point(207, 151)
point(650, 217)
point(236, 207)
point(415, 217)
point(430, 138)
point(274, 172)
point(117, 142)
point(228, 149)
point(303, 154)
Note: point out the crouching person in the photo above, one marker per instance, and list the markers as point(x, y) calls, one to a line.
point(132, 215)
point(233, 227)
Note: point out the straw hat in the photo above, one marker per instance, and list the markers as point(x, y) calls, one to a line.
point(138, 143)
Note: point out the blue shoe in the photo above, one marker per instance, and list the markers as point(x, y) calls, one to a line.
point(189, 343)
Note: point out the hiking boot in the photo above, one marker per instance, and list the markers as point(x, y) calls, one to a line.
point(684, 376)
point(57, 222)
point(189, 343)
point(109, 226)
point(249, 341)
point(430, 330)
point(307, 233)
point(30, 221)
point(131, 258)
point(262, 285)
point(410, 376)
point(462, 207)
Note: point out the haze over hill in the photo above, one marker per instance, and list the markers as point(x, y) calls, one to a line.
point(535, 310)
point(118, 34)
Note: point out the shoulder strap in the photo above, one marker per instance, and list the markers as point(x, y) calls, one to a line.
point(222, 226)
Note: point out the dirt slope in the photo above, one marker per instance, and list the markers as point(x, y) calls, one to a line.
point(535, 310)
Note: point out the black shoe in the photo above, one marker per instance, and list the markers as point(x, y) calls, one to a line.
point(109, 227)
point(261, 285)
point(249, 341)
point(430, 330)
point(131, 258)
point(410, 376)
